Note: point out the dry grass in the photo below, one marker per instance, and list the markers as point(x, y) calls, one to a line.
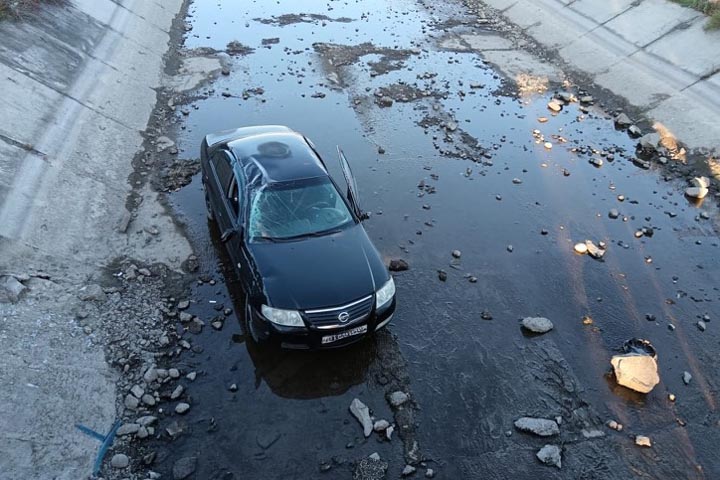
point(17, 9)
point(711, 8)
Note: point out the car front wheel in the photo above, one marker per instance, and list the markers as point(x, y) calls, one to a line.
point(208, 207)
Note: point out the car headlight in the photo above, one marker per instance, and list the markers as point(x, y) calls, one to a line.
point(385, 294)
point(287, 318)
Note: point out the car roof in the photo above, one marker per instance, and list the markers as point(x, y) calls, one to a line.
point(281, 156)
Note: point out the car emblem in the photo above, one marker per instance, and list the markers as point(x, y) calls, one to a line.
point(344, 317)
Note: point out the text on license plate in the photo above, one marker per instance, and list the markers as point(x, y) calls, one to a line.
point(347, 333)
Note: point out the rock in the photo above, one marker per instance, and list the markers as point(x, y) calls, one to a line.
point(191, 376)
point(539, 426)
point(184, 467)
point(177, 392)
point(566, 97)
point(150, 375)
point(649, 142)
point(516, 181)
point(510, 248)
point(120, 460)
point(442, 275)
point(148, 400)
point(696, 192)
point(700, 182)
point(143, 432)
point(596, 161)
point(614, 425)
point(548, 145)
point(701, 325)
point(92, 293)
point(137, 390)
point(185, 317)
point(10, 289)
point(613, 213)
point(537, 324)
point(687, 378)
point(388, 432)
point(634, 130)
point(182, 407)
point(586, 99)
point(456, 253)
point(671, 397)
point(127, 429)
point(131, 402)
point(381, 151)
point(451, 126)
point(408, 470)
point(397, 398)
point(554, 106)
point(398, 265)
point(146, 420)
point(594, 250)
point(233, 387)
point(183, 304)
point(590, 433)
point(362, 413)
point(174, 373)
point(580, 248)
point(550, 455)
point(374, 456)
point(643, 441)
point(381, 425)
point(623, 121)
point(636, 371)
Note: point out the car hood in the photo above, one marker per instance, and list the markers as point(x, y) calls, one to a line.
point(318, 272)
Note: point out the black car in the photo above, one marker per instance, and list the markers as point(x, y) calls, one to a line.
point(312, 277)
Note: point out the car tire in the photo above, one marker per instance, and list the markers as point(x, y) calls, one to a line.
point(208, 207)
point(250, 335)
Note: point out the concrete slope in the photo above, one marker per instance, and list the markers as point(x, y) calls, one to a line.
point(654, 53)
point(77, 89)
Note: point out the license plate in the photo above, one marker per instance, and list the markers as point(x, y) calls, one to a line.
point(347, 333)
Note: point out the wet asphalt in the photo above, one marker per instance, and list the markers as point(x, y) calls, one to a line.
point(468, 377)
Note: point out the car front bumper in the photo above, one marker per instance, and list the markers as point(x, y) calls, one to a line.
point(310, 337)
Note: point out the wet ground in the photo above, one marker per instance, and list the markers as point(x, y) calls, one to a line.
point(460, 169)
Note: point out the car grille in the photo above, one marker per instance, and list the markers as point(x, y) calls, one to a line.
point(326, 318)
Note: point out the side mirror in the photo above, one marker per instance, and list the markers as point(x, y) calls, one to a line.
point(227, 235)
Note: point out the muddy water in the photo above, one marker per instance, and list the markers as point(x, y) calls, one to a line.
point(469, 377)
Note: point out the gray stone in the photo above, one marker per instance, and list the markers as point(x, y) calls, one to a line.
point(163, 143)
point(398, 398)
point(150, 375)
point(10, 289)
point(174, 373)
point(687, 378)
point(537, 324)
point(137, 390)
point(613, 213)
point(142, 433)
point(146, 420)
point(550, 455)
point(127, 429)
point(408, 470)
point(696, 192)
point(381, 425)
point(177, 392)
point(183, 304)
point(635, 131)
point(649, 142)
point(191, 376)
point(131, 402)
point(623, 121)
point(148, 400)
point(184, 467)
point(182, 407)
point(429, 473)
point(93, 293)
point(539, 426)
point(362, 413)
point(643, 441)
point(120, 460)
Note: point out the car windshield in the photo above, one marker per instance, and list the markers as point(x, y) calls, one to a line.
point(297, 209)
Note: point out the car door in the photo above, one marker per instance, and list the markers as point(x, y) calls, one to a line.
point(219, 185)
point(352, 194)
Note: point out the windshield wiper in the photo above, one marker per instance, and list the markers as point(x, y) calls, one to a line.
point(321, 233)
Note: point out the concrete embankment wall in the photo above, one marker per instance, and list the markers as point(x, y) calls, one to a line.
point(77, 87)
point(654, 53)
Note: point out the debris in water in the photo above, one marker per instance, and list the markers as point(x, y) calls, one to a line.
point(643, 441)
point(362, 413)
point(537, 324)
point(637, 367)
point(550, 455)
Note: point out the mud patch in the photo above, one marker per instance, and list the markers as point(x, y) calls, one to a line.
point(336, 55)
point(178, 174)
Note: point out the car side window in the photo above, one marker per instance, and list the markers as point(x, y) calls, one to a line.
point(223, 168)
